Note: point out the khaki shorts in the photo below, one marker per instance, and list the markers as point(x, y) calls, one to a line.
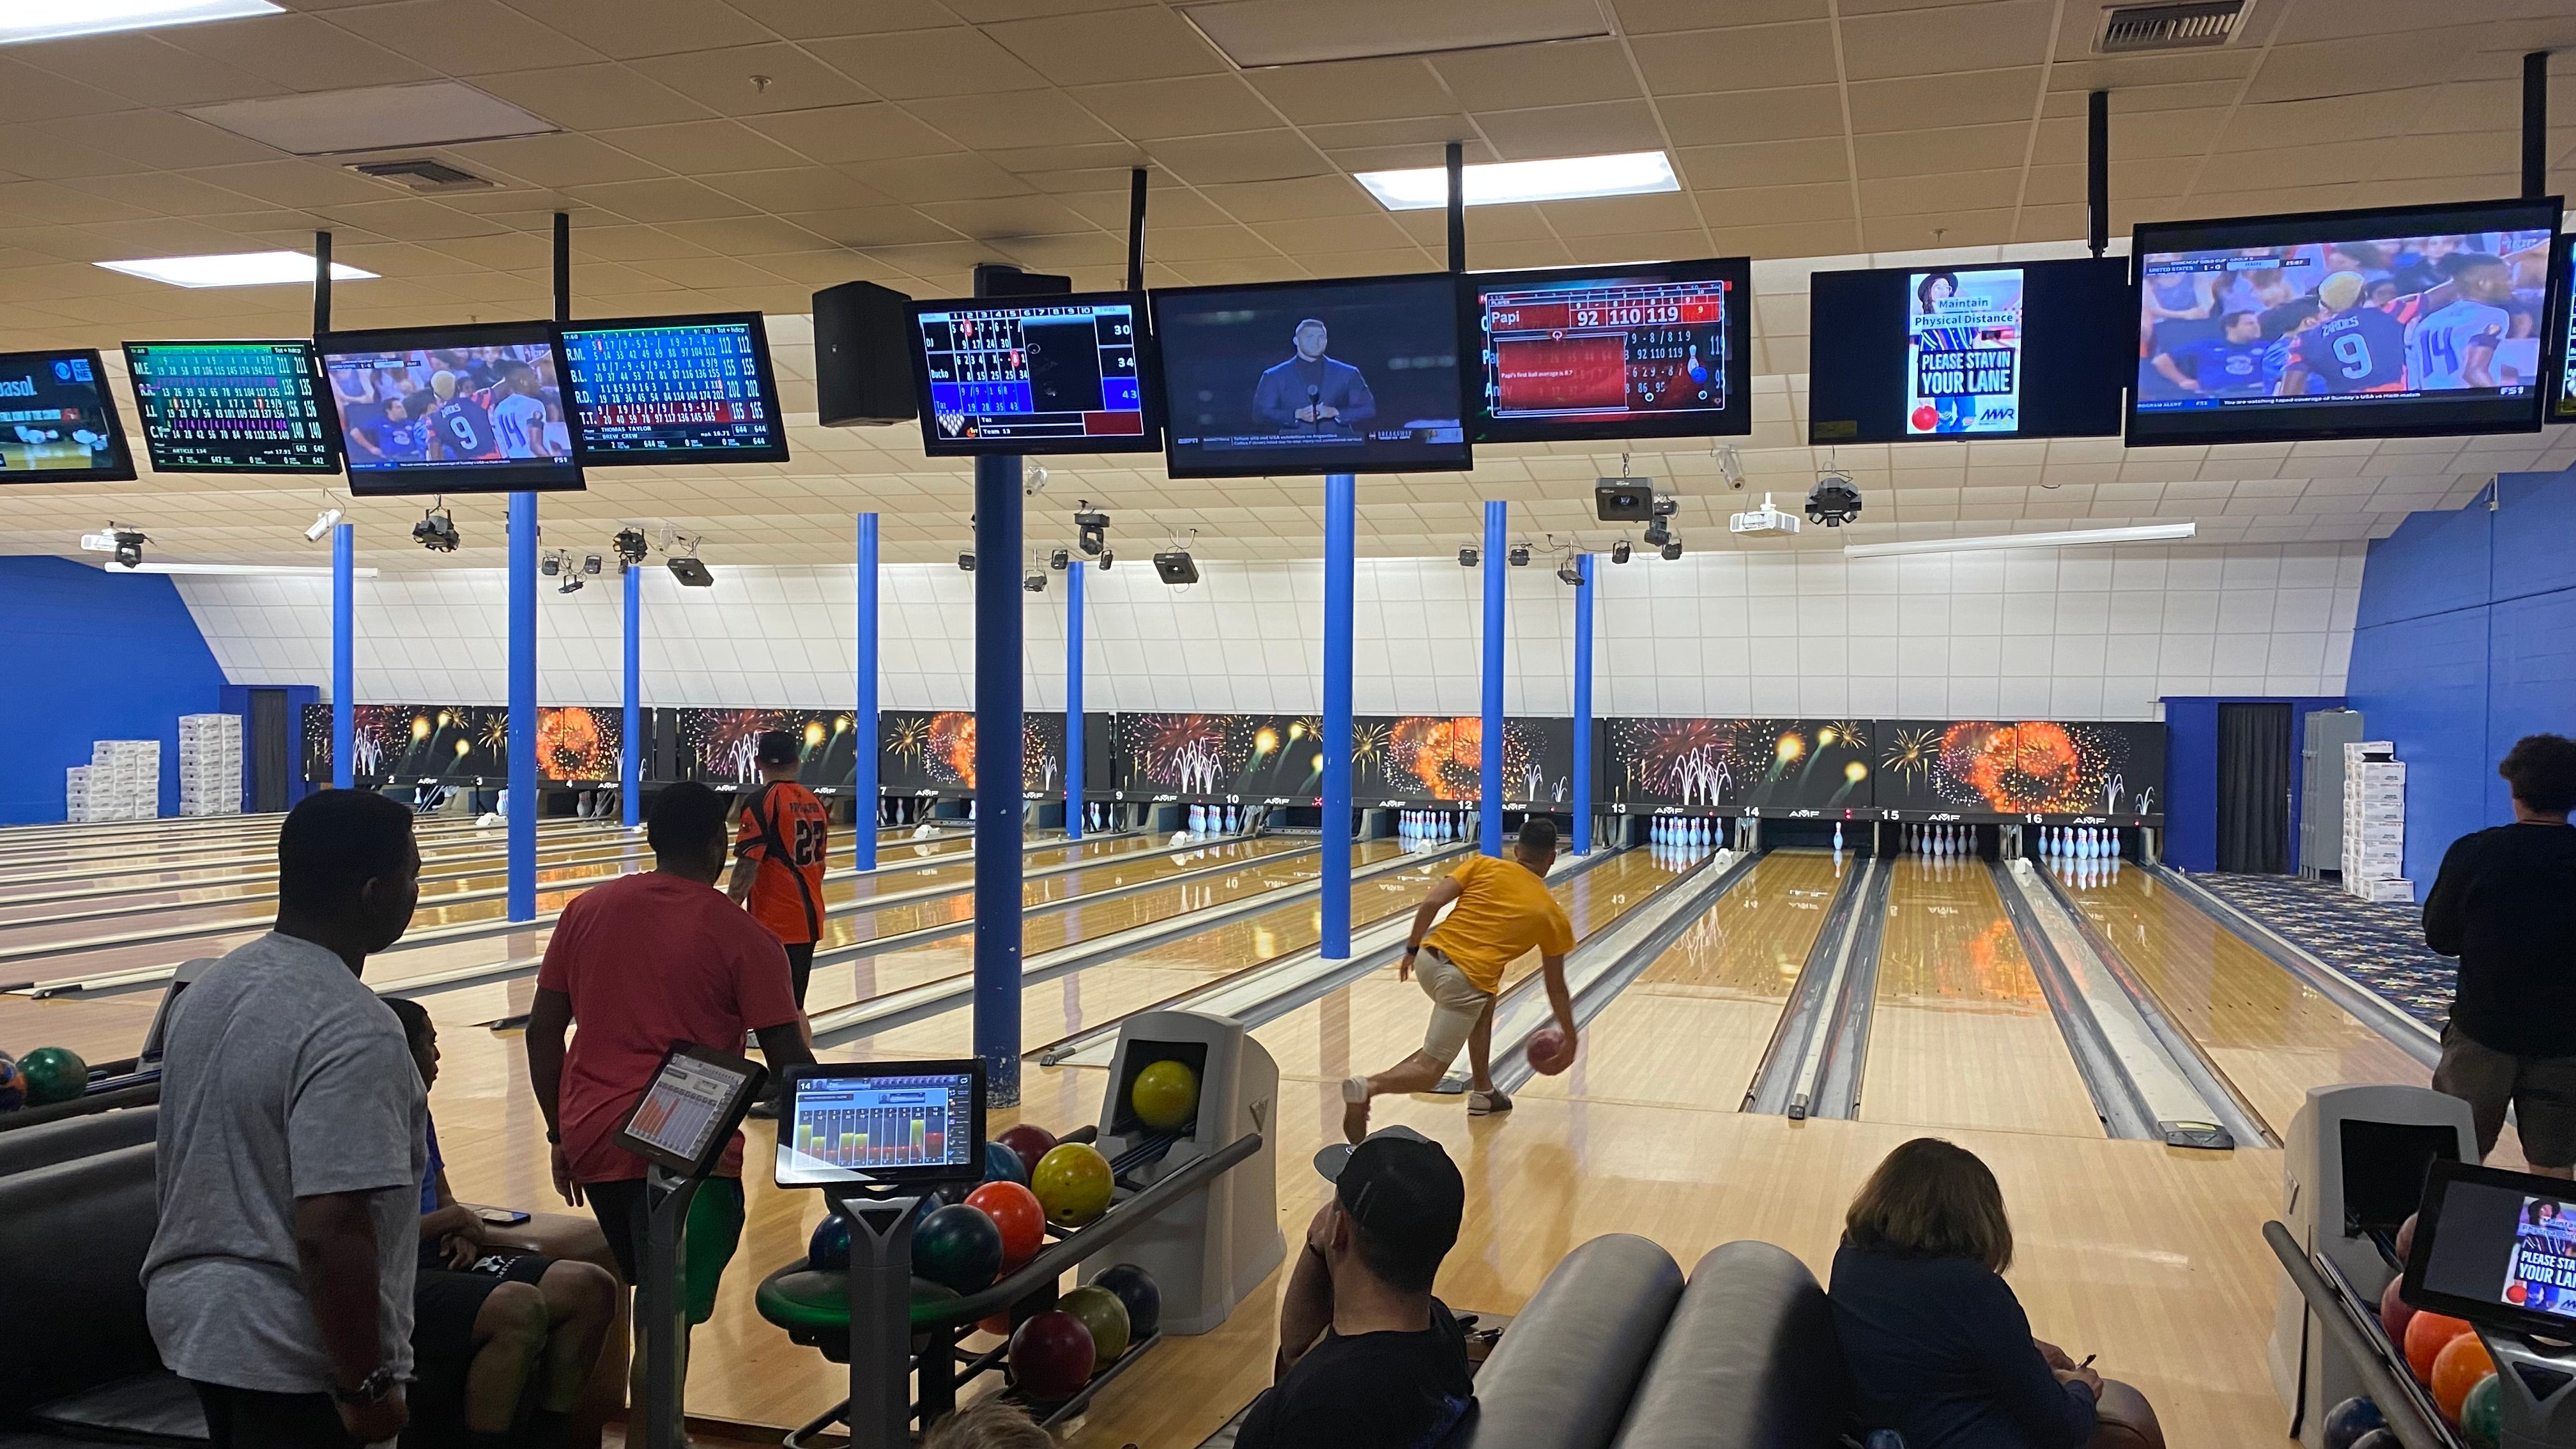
point(1456, 1005)
point(2542, 1091)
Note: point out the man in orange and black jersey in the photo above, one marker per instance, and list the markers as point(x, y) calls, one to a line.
point(779, 850)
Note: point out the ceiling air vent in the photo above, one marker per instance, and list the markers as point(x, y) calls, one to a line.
point(2128, 29)
point(421, 174)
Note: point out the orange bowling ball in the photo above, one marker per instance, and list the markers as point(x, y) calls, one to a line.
point(1015, 1210)
point(2456, 1370)
point(2426, 1336)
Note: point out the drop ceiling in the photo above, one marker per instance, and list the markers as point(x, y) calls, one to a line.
point(719, 156)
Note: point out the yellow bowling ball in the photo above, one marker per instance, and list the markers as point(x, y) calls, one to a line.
point(1073, 1183)
point(1166, 1095)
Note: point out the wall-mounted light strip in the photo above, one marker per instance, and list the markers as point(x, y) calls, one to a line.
point(282, 571)
point(2143, 533)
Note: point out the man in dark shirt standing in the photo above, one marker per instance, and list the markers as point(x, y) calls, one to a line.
point(1312, 393)
point(2505, 904)
point(1368, 1359)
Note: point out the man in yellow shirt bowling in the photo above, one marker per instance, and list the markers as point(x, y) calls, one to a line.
point(1502, 909)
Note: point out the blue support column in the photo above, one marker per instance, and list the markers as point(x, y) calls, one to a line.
point(344, 655)
point(1339, 532)
point(998, 722)
point(1073, 699)
point(1489, 792)
point(630, 759)
point(523, 707)
point(863, 712)
point(1583, 707)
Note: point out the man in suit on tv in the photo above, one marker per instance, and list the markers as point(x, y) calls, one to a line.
point(1312, 393)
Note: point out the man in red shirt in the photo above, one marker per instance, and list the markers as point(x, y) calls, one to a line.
point(779, 850)
point(644, 963)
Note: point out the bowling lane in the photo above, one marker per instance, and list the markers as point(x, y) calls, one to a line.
point(953, 877)
point(1372, 1023)
point(81, 853)
point(2271, 1035)
point(1961, 1037)
point(1044, 1004)
point(1691, 1030)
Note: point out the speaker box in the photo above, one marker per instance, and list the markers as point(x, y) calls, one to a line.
point(862, 361)
point(1001, 279)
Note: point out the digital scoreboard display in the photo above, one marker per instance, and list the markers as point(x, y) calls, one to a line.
point(438, 410)
point(673, 390)
point(2388, 323)
point(231, 407)
point(1908, 354)
point(58, 421)
point(2561, 339)
point(1646, 350)
point(1062, 373)
point(884, 1122)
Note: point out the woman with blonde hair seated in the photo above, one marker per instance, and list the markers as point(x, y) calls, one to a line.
point(1938, 1345)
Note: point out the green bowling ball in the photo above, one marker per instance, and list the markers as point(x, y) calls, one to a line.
point(2482, 1413)
point(53, 1074)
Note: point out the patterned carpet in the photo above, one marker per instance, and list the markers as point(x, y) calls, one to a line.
point(2380, 946)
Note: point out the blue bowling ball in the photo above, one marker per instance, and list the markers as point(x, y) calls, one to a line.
point(829, 1249)
point(2348, 1421)
point(1001, 1164)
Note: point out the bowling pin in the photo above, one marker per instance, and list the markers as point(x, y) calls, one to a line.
point(1838, 835)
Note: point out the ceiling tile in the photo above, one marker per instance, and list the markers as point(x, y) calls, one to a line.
point(1007, 216)
point(553, 161)
point(1152, 110)
point(2343, 67)
point(916, 64)
point(1961, 148)
point(670, 198)
point(626, 30)
point(1249, 156)
point(593, 97)
point(1604, 215)
point(1771, 205)
point(31, 93)
point(141, 66)
point(292, 183)
point(1146, 42)
point(1027, 119)
point(840, 135)
point(300, 53)
point(745, 236)
point(1979, 98)
point(1355, 90)
point(755, 80)
point(1740, 58)
point(939, 178)
point(1954, 38)
point(1769, 115)
point(694, 147)
point(465, 37)
point(869, 227)
point(1511, 76)
point(1915, 195)
point(795, 188)
point(1261, 201)
point(1598, 128)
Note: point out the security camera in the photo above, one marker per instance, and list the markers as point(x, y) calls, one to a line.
point(322, 525)
point(1033, 482)
point(1834, 501)
point(1730, 465)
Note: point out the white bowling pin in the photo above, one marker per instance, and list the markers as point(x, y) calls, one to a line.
point(1838, 835)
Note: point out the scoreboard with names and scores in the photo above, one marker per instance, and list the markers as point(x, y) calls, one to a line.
point(686, 387)
point(1638, 350)
point(230, 406)
point(1061, 371)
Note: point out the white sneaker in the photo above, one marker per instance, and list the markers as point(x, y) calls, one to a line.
point(1486, 1104)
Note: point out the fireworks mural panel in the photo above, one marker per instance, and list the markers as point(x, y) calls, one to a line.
point(1439, 757)
point(406, 743)
point(722, 746)
point(578, 744)
point(935, 750)
point(1739, 764)
point(1268, 757)
point(2024, 767)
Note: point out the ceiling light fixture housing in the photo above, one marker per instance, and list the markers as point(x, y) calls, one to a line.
point(234, 269)
point(20, 24)
point(1564, 178)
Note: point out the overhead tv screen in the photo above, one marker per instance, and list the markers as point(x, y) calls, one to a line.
point(673, 390)
point(1649, 350)
point(2397, 322)
point(1352, 375)
point(473, 409)
point(1060, 373)
point(58, 421)
point(2561, 338)
point(231, 407)
point(2014, 350)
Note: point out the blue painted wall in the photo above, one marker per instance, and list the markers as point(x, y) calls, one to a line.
point(2465, 641)
point(2191, 772)
point(92, 657)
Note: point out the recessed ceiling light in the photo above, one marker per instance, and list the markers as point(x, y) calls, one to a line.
point(234, 269)
point(22, 20)
point(1567, 178)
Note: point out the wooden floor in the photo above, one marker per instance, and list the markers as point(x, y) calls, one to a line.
point(2149, 1256)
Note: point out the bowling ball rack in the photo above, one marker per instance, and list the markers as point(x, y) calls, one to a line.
point(896, 1342)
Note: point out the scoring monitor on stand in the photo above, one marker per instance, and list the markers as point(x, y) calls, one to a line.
point(2498, 1249)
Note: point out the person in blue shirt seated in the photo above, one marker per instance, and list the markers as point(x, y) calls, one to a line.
point(1938, 1346)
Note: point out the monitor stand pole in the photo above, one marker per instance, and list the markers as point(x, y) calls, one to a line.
point(880, 1409)
point(662, 1308)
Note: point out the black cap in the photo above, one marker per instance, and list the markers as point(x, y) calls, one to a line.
point(777, 747)
point(1401, 1187)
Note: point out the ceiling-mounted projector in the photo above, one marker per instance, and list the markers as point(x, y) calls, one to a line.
point(1765, 519)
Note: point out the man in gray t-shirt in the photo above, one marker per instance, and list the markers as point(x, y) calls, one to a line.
point(291, 1153)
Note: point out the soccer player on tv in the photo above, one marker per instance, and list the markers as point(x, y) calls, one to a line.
point(2228, 365)
point(460, 422)
point(2358, 348)
point(519, 413)
point(2455, 347)
point(1313, 393)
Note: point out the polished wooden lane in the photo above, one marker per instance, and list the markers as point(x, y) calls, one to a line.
point(1960, 1035)
point(1691, 1029)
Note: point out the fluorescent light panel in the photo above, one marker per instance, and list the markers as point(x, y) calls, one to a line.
point(22, 21)
point(233, 269)
point(1567, 178)
point(292, 571)
point(2144, 533)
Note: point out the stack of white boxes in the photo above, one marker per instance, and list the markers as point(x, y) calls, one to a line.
point(76, 794)
point(124, 781)
point(2374, 823)
point(210, 764)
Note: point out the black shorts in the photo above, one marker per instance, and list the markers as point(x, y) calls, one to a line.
point(444, 1304)
point(254, 1419)
point(800, 967)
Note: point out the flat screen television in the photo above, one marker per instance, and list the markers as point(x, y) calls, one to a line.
point(232, 407)
point(1061, 373)
point(1348, 375)
point(1644, 350)
point(2559, 340)
point(470, 409)
point(58, 421)
point(671, 390)
point(2396, 322)
point(2012, 350)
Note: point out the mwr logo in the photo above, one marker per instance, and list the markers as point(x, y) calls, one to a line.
point(1990, 413)
point(23, 387)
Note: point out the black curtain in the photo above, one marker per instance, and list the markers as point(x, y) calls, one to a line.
point(2254, 788)
point(270, 757)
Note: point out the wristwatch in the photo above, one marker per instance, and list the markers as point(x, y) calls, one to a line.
point(374, 1389)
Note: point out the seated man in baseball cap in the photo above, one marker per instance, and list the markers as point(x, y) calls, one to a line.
point(1368, 1359)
